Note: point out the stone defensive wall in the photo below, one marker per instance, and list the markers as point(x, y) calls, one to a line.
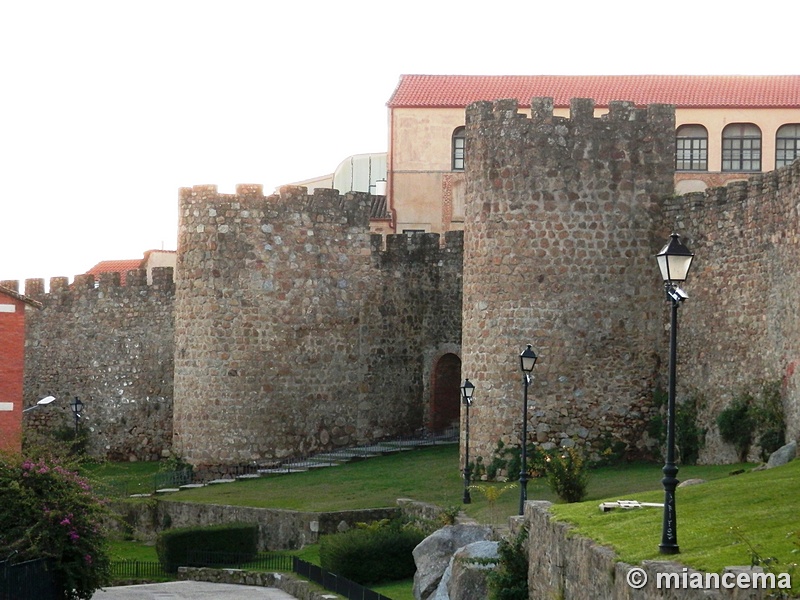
point(562, 224)
point(296, 332)
point(740, 326)
point(111, 346)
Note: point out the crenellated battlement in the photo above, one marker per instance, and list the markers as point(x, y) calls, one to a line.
point(757, 185)
point(421, 248)
point(566, 149)
point(86, 284)
point(204, 212)
point(581, 112)
point(757, 194)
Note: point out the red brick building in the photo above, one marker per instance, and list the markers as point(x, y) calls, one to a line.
point(12, 366)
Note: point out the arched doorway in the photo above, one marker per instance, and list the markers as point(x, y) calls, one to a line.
point(446, 393)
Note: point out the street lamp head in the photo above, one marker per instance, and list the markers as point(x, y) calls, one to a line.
point(77, 406)
point(674, 260)
point(527, 359)
point(467, 389)
point(43, 402)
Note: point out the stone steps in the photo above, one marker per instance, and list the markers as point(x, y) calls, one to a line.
point(319, 461)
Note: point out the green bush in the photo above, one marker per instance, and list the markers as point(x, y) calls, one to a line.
point(174, 545)
point(768, 414)
point(48, 511)
point(510, 580)
point(690, 438)
point(509, 458)
point(371, 555)
point(736, 425)
point(755, 416)
point(567, 473)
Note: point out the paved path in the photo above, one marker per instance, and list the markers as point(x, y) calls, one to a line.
point(189, 590)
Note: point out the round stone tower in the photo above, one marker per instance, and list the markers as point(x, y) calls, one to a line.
point(558, 253)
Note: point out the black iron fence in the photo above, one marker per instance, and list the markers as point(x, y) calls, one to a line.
point(335, 583)
point(172, 479)
point(26, 580)
point(138, 569)
point(263, 561)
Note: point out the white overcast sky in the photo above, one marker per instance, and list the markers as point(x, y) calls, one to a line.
point(108, 107)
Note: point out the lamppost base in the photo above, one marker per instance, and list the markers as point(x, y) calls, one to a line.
point(669, 549)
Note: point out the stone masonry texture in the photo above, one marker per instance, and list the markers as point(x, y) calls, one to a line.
point(559, 244)
point(740, 326)
point(296, 332)
point(111, 346)
point(292, 330)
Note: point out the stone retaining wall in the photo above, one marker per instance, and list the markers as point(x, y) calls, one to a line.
point(278, 529)
point(571, 567)
point(299, 588)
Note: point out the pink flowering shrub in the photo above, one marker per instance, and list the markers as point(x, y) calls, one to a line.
point(49, 511)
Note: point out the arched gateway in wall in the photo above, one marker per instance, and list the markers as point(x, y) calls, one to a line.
point(445, 393)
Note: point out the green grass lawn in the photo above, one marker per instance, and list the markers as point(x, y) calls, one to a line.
point(123, 478)
point(763, 505)
point(132, 550)
point(426, 474)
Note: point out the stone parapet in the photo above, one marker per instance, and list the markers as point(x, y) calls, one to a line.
point(571, 567)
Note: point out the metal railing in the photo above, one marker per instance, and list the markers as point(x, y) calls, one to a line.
point(334, 583)
point(29, 579)
point(138, 569)
point(172, 479)
point(262, 561)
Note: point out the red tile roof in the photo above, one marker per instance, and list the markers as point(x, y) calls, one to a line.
point(115, 266)
point(684, 91)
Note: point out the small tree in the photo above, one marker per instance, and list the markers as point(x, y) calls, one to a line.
point(48, 511)
point(510, 580)
point(567, 474)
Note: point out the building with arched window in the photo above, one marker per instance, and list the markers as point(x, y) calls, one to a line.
point(727, 128)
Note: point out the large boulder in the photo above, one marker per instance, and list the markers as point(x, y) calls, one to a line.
point(433, 554)
point(782, 455)
point(468, 570)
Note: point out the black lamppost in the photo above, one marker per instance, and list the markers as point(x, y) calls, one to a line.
point(674, 261)
point(526, 362)
point(467, 389)
point(77, 407)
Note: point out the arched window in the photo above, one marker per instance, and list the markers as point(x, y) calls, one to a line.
point(691, 148)
point(787, 145)
point(459, 148)
point(741, 147)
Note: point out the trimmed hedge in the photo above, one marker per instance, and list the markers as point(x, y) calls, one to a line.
point(371, 555)
point(174, 545)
